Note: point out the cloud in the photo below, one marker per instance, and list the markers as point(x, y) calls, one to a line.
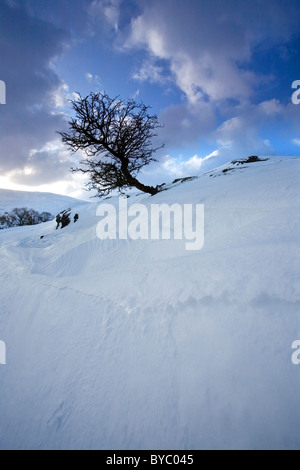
point(237, 137)
point(271, 107)
point(94, 81)
point(177, 167)
point(171, 167)
point(242, 134)
point(112, 17)
point(209, 45)
point(45, 166)
point(152, 71)
point(112, 13)
point(185, 124)
point(109, 10)
point(35, 94)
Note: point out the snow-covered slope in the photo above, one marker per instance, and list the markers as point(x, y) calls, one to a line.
point(140, 344)
point(42, 202)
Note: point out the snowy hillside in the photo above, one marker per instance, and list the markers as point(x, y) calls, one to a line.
point(42, 202)
point(142, 344)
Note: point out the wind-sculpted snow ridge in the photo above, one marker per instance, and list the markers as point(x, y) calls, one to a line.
point(141, 344)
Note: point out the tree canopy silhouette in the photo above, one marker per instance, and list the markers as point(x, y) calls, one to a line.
point(116, 137)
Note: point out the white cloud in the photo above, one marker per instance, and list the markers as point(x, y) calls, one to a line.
point(152, 72)
point(94, 81)
point(239, 136)
point(171, 167)
point(296, 141)
point(45, 165)
point(271, 107)
point(110, 9)
point(178, 168)
point(112, 14)
point(136, 94)
point(209, 45)
point(61, 95)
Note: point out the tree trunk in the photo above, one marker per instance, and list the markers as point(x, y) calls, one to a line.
point(140, 186)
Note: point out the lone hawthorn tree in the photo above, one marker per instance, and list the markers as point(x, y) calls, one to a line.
point(116, 138)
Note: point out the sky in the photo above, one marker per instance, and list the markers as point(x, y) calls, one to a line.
point(218, 74)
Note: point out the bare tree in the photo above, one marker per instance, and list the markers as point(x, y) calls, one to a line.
point(21, 216)
point(116, 138)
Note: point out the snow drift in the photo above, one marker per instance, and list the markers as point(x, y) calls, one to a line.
point(140, 344)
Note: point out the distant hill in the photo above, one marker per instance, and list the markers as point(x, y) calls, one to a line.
point(42, 202)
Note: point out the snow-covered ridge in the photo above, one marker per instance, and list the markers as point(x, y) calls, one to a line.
point(41, 202)
point(140, 344)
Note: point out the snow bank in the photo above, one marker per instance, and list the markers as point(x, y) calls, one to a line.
point(123, 344)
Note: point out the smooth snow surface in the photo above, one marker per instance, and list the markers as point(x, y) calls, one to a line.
point(123, 344)
point(42, 202)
